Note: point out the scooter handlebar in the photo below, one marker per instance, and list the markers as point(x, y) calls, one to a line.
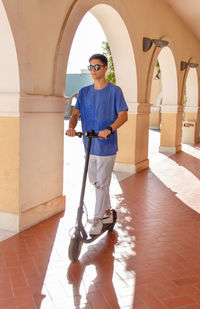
point(91, 133)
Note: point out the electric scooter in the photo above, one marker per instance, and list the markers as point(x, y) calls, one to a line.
point(80, 235)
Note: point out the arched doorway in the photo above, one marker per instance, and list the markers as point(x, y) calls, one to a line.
point(156, 98)
point(9, 73)
point(168, 114)
point(107, 17)
point(169, 109)
point(125, 70)
point(155, 112)
point(122, 49)
point(191, 117)
point(171, 112)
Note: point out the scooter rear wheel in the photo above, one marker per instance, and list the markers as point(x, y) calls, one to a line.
point(111, 227)
point(74, 248)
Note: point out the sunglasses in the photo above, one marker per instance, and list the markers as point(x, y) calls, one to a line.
point(96, 67)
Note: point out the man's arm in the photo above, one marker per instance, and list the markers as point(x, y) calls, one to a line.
point(121, 119)
point(73, 122)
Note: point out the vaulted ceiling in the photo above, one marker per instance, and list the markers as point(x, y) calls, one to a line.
point(189, 12)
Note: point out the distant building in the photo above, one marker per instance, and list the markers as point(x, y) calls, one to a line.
point(73, 83)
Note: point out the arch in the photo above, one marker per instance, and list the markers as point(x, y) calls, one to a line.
point(191, 116)
point(169, 77)
point(19, 47)
point(192, 88)
point(168, 73)
point(9, 73)
point(170, 110)
point(105, 13)
point(125, 71)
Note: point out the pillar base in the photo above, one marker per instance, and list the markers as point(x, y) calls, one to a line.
point(9, 221)
point(130, 169)
point(41, 212)
point(124, 170)
point(170, 150)
point(140, 166)
point(18, 222)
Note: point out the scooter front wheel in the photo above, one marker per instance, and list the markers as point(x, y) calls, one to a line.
point(75, 248)
point(111, 227)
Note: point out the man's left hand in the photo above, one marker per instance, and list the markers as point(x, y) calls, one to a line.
point(104, 133)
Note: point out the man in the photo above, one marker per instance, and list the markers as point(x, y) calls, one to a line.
point(102, 108)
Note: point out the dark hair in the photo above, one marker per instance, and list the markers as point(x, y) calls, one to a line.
point(101, 57)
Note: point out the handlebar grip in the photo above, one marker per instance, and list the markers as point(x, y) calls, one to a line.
point(79, 134)
point(91, 134)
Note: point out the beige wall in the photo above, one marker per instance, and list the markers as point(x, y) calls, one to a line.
point(126, 134)
point(9, 164)
point(41, 163)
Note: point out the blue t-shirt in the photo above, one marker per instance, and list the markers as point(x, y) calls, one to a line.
point(99, 109)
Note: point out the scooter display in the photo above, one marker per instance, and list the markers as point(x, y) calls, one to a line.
point(80, 235)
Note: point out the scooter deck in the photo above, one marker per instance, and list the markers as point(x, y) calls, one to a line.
point(106, 227)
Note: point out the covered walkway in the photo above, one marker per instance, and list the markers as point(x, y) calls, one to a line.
point(150, 261)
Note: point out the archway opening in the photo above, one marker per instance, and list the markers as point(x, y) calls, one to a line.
point(169, 106)
point(9, 73)
point(121, 49)
point(155, 114)
point(169, 77)
point(88, 40)
point(191, 119)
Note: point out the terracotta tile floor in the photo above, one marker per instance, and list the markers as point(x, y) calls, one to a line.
point(150, 261)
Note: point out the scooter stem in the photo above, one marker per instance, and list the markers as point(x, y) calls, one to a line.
point(80, 209)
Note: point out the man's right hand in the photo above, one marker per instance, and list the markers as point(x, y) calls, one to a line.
point(70, 132)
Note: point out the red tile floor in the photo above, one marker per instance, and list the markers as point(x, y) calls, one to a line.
point(150, 261)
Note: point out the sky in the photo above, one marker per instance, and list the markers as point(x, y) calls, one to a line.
point(87, 41)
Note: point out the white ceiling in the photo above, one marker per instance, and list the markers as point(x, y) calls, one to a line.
point(189, 12)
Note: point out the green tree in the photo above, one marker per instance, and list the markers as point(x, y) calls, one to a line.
point(158, 70)
point(110, 74)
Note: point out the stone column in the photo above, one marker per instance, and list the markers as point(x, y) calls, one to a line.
point(171, 128)
point(31, 176)
point(133, 138)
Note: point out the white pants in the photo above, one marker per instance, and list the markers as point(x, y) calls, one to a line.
point(99, 173)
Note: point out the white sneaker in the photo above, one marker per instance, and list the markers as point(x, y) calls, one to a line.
point(96, 227)
point(105, 220)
